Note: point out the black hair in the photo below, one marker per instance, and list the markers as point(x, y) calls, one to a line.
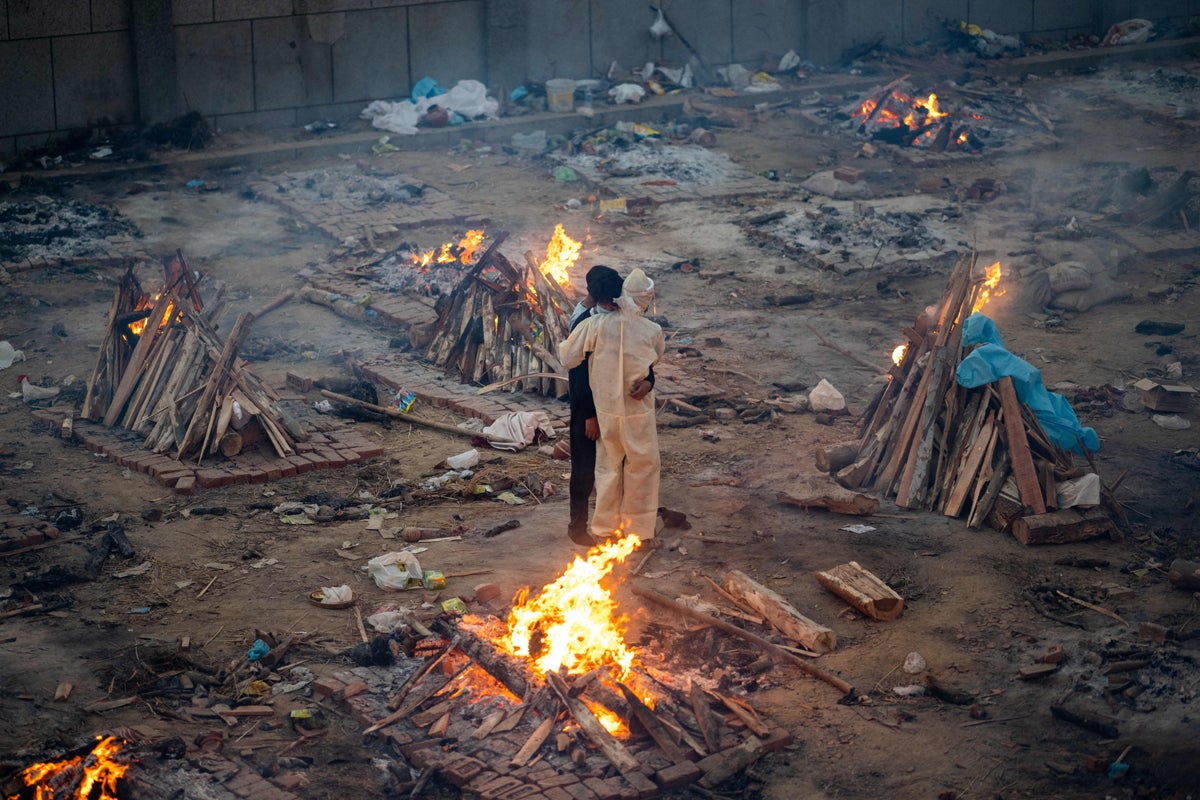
point(604, 283)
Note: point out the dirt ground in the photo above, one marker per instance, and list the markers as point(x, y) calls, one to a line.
point(966, 613)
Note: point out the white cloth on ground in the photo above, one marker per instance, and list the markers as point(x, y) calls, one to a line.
point(517, 429)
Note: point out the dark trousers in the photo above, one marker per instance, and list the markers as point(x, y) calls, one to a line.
point(583, 471)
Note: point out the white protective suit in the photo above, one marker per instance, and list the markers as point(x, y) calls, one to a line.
point(624, 345)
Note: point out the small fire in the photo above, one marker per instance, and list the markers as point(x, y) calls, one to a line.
point(898, 353)
point(561, 254)
point(989, 289)
point(573, 622)
point(463, 252)
point(137, 326)
point(95, 771)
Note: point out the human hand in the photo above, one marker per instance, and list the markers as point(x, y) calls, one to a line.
point(641, 389)
point(591, 428)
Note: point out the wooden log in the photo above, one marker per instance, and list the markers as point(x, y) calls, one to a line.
point(1028, 485)
point(863, 590)
point(1184, 574)
point(1104, 727)
point(654, 726)
point(780, 613)
point(819, 491)
point(396, 413)
point(736, 760)
point(983, 507)
point(604, 741)
point(230, 444)
point(773, 649)
point(197, 428)
point(1058, 527)
point(705, 719)
point(745, 712)
point(832, 457)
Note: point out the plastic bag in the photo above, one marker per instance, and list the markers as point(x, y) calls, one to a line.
point(463, 460)
point(1131, 31)
point(824, 397)
point(470, 99)
point(332, 595)
point(627, 93)
point(9, 355)
point(661, 28)
point(394, 570)
point(401, 117)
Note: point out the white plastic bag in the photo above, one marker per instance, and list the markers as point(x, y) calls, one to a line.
point(1131, 31)
point(661, 28)
point(463, 460)
point(393, 570)
point(401, 117)
point(627, 93)
point(332, 595)
point(9, 355)
point(824, 397)
point(468, 98)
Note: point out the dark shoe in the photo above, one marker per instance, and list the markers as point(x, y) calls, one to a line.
point(580, 536)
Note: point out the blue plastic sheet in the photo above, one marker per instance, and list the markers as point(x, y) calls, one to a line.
point(990, 361)
point(426, 87)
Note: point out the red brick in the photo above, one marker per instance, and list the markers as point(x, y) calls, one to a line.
point(299, 383)
point(604, 790)
point(353, 689)
point(559, 779)
point(300, 464)
point(848, 174)
point(499, 787)
point(275, 473)
point(325, 687)
point(644, 786)
point(481, 780)
point(677, 775)
point(409, 749)
point(462, 770)
point(185, 485)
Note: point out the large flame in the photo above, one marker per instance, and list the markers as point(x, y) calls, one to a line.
point(573, 622)
point(100, 771)
point(991, 288)
point(561, 253)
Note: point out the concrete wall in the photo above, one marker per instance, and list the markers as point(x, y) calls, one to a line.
point(78, 64)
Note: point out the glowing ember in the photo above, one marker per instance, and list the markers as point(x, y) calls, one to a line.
point(898, 353)
point(561, 253)
point(611, 722)
point(98, 769)
point(573, 622)
point(989, 289)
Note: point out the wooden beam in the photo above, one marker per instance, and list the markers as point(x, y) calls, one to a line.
point(1028, 484)
point(780, 613)
point(863, 590)
point(604, 741)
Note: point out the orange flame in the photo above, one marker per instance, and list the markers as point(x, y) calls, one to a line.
point(463, 252)
point(989, 289)
point(99, 771)
point(611, 722)
point(561, 253)
point(573, 622)
point(137, 326)
point(898, 353)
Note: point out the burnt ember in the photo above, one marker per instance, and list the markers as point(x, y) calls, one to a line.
point(52, 229)
point(900, 116)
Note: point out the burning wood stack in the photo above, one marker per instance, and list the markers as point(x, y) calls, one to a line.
point(164, 372)
point(503, 322)
point(933, 444)
point(896, 116)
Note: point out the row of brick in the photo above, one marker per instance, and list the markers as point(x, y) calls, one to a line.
point(336, 445)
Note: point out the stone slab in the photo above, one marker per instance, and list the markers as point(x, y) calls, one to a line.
point(446, 42)
point(705, 24)
point(556, 43)
point(763, 27)
point(619, 33)
point(1003, 16)
point(27, 86)
point(923, 19)
point(216, 72)
point(94, 80)
point(110, 15)
point(290, 68)
point(190, 12)
point(250, 9)
point(27, 20)
point(370, 59)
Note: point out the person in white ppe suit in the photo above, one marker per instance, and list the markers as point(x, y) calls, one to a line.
point(623, 345)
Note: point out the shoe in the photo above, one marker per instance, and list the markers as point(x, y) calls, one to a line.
point(580, 536)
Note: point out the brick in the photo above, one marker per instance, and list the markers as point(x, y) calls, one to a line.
point(678, 775)
point(481, 780)
point(523, 792)
point(777, 739)
point(604, 790)
point(326, 687)
point(299, 382)
point(644, 786)
point(410, 749)
point(559, 779)
point(580, 791)
point(185, 485)
point(1052, 655)
point(428, 757)
point(556, 793)
point(462, 770)
point(848, 174)
point(499, 787)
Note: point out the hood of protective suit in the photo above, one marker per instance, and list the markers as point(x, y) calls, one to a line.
point(637, 292)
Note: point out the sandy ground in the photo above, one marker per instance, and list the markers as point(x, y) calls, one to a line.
point(966, 612)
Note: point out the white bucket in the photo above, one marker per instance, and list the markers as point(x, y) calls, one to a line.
point(560, 94)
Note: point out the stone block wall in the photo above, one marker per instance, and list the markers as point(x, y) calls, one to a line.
point(78, 64)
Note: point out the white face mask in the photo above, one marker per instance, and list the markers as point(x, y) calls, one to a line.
point(603, 310)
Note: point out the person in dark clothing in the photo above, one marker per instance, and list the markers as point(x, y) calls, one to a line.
point(604, 286)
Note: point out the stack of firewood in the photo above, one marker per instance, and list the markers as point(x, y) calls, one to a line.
point(980, 453)
point(163, 372)
point(502, 324)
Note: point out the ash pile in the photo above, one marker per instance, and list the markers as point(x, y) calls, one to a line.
point(45, 229)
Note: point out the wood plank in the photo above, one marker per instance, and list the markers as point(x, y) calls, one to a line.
point(533, 743)
point(780, 613)
point(1028, 484)
point(657, 730)
point(705, 718)
point(970, 467)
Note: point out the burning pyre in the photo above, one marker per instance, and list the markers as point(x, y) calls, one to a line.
point(905, 118)
point(79, 777)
